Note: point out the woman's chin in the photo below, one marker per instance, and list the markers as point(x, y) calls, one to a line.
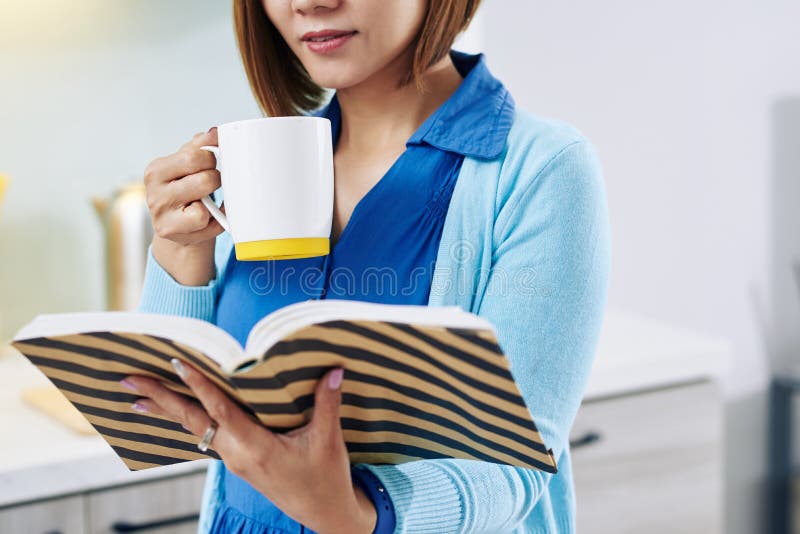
point(336, 77)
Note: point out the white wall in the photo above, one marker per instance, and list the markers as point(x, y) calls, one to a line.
point(90, 92)
point(695, 110)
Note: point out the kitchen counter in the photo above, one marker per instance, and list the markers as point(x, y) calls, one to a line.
point(41, 458)
point(636, 353)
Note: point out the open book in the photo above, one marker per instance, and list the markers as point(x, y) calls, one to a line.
point(420, 382)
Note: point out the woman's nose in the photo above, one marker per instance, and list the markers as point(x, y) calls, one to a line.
point(310, 6)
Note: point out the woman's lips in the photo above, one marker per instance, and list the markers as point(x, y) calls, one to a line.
point(326, 41)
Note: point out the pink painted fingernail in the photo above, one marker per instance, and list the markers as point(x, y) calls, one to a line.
point(335, 378)
point(128, 384)
point(139, 407)
point(179, 368)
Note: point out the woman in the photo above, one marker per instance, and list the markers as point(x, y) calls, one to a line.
point(465, 199)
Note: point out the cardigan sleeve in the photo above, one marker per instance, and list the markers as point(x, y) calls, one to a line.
point(546, 294)
point(161, 293)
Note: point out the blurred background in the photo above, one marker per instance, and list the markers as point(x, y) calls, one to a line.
point(694, 108)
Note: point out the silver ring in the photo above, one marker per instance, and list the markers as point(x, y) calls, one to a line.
point(208, 436)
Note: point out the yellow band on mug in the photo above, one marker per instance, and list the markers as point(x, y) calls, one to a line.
point(282, 249)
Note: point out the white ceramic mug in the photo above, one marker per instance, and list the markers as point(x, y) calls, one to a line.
point(277, 184)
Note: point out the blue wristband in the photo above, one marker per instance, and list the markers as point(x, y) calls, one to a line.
point(374, 489)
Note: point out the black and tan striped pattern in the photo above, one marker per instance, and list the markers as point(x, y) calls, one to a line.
point(410, 392)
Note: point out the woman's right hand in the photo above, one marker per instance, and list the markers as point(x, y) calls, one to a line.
point(185, 231)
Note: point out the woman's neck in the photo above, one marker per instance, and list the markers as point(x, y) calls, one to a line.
point(378, 116)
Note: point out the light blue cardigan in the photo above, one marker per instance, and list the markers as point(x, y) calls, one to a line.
point(526, 244)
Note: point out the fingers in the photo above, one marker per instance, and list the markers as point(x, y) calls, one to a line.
point(165, 402)
point(325, 420)
point(175, 184)
point(203, 139)
point(192, 217)
point(221, 408)
point(193, 187)
point(182, 163)
point(150, 406)
point(236, 429)
point(188, 225)
point(212, 229)
point(188, 413)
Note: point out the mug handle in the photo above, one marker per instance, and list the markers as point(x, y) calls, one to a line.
point(208, 202)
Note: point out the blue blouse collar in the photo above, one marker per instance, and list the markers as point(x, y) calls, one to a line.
point(474, 121)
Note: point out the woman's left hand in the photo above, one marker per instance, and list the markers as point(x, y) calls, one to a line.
point(304, 472)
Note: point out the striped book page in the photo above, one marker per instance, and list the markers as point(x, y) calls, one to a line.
point(410, 391)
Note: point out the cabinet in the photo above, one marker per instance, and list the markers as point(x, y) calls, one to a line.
point(784, 470)
point(650, 462)
point(796, 504)
point(64, 515)
point(162, 506)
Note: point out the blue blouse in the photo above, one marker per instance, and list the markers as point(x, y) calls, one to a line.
point(386, 253)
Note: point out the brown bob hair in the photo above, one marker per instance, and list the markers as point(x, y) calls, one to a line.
point(282, 85)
